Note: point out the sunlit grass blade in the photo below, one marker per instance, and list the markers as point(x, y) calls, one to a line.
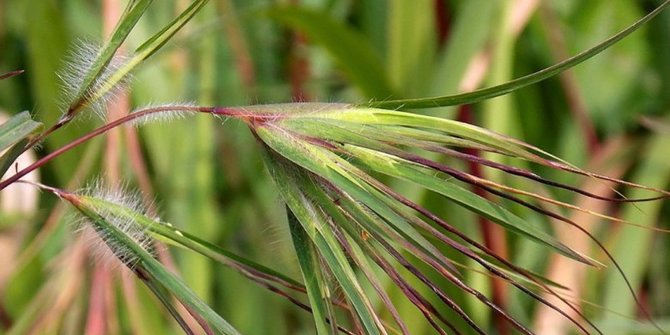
point(305, 141)
point(511, 86)
point(314, 225)
point(368, 229)
point(324, 167)
point(496, 213)
point(429, 311)
point(354, 231)
point(373, 116)
point(398, 202)
point(360, 118)
point(313, 159)
point(386, 163)
point(435, 142)
point(312, 272)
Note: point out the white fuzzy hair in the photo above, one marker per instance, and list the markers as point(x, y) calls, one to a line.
point(165, 116)
point(103, 246)
point(78, 63)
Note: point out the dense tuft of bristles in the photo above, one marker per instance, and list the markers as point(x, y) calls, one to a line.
point(102, 244)
point(77, 66)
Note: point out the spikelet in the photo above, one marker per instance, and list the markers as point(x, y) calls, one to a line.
point(102, 243)
point(78, 63)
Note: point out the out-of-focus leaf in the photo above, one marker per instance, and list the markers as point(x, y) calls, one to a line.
point(633, 245)
point(353, 53)
point(10, 74)
point(411, 45)
point(17, 128)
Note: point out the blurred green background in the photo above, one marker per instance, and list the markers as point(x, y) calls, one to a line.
point(205, 175)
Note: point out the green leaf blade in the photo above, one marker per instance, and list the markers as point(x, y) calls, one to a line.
point(511, 86)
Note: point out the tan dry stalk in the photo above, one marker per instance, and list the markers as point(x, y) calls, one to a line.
point(20, 200)
point(565, 271)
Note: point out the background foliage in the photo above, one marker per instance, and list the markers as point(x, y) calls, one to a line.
point(608, 115)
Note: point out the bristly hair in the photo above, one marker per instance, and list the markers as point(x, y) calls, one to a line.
point(77, 66)
point(102, 246)
point(166, 115)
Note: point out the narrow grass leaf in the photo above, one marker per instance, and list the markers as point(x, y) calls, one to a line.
point(313, 223)
point(15, 132)
point(396, 167)
point(317, 288)
point(498, 90)
point(355, 247)
point(373, 116)
point(310, 156)
point(321, 163)
point(409, 171)
point(181, 238)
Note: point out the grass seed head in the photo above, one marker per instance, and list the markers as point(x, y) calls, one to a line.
point(104, 244)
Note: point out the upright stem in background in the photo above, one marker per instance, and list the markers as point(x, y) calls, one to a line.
point(493, 235)
point(298, 65)
point(442, 22)
point(575, 101)
point(238, 43)
point(299, 68)
point(569, 273)
point(119, 106)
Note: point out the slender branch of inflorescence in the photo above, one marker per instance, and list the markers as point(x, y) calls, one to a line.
point(232, 112)
point(11, 74)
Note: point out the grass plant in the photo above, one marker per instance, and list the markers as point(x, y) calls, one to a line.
point(399, 211)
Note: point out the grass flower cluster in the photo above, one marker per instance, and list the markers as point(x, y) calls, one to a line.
point(340, 170)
